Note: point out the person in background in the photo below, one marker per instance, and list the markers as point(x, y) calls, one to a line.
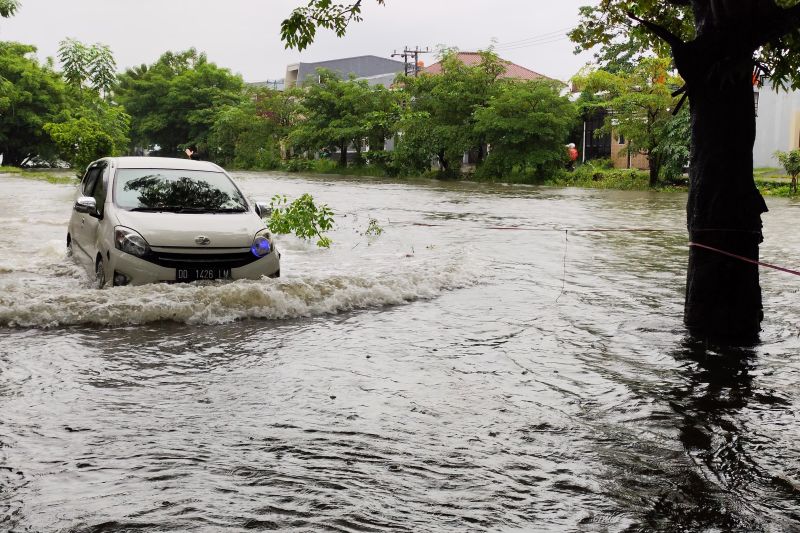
point(191, 153)
point(573, 156)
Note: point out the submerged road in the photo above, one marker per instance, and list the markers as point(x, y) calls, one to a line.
point(445, 376)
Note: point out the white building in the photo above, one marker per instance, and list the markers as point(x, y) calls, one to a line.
point(777, 124)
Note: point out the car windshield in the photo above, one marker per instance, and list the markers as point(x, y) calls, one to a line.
point(180, 191)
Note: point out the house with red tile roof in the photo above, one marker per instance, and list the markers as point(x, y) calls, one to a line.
point(513, 71)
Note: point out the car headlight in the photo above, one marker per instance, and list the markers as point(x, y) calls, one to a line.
point(262, 245)
point(130, 242)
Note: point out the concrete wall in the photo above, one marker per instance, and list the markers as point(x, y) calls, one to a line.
point(360, 67)
point(619, 156)
point(777, 125)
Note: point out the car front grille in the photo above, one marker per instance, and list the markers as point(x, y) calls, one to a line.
point(218, 260)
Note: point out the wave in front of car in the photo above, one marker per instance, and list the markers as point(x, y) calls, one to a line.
point(23, 305)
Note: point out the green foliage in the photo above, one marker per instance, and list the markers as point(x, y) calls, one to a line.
point(790, 161)
point(526, 125)
point(777, 190)
point(8, 7)
point(302, 217)
point(298, 164)
point(299, 30)
point(339, 113)
point(91, 66)
point(609, 24)
point(374, 228)
point(640, 102)
point(89, 132)
point(81, 140)
point(674, 148)
point(31, 95)
point(55, 177)
point(593, 176)
point(608, 28)
point(174, 102)
point(439, 123)
point(249, 135)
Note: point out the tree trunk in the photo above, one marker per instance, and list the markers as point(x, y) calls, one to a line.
point(343, 153)
point(723, 295)
point(12, 158)
point(654, 168)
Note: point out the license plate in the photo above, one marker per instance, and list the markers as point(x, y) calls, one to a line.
point(201, 273)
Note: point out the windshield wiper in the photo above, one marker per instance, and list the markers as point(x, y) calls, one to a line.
point(157, 209)
point(178, 209)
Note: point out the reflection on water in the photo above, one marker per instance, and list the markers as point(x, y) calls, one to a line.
point(716, 403)
point(444, 377)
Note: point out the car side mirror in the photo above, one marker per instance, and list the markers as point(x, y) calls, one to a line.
point(86, 204)
point(262, 209)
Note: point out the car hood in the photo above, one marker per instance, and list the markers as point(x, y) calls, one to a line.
point(223, 230)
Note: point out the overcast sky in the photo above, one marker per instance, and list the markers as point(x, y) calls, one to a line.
point(243, 35)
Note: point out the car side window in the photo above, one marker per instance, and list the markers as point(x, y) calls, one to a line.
point(100, 188)
point(90, 180)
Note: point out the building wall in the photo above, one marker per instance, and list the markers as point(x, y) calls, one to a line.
point(619, 156)
point(777, 125)
point(360, 67)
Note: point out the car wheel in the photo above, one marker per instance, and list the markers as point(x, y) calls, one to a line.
point(100, 273)
point(277, 274)
point(69, 245)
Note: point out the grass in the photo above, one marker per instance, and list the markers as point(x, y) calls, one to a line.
point(770, 181)
point(57, 176)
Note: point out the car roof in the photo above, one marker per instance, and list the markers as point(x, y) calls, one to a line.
point(164, 163)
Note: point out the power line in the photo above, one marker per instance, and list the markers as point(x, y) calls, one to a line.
point(539, 43)
point(559, 32)
point(406, 54)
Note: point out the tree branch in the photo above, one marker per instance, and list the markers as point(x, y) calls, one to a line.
point(673, 40)
point(781, 22)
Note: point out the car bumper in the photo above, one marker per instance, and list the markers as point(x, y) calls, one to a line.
point(140, 272)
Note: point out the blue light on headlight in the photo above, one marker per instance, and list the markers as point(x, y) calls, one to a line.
point(261, 247)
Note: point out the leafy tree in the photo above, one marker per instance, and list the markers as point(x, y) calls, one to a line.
point(249, 135)
point(88, 129)
point(717, 46)
point(174, 102)
point(526, 125)
point(88, 65)
point(674, 149)
point(640, 102)
point(334, 115)
point(791, 163)
point(30, 96)
point(75, 58)
point(8, 8)
point(299, 30)
point(441, 119)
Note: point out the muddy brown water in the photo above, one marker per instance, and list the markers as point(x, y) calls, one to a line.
point(445, 376)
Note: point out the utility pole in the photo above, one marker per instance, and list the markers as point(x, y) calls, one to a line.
point(406, 54)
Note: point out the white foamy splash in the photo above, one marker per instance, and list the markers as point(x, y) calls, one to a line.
point(28, 304)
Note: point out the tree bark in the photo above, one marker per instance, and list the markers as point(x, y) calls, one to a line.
point(723, 295)
point(654, 169)
point(343, 153)
point(12, 158)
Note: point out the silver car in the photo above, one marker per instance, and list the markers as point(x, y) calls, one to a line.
point(140, 220)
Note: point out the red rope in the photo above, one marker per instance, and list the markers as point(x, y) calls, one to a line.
point(745, 259)
point(637, 230)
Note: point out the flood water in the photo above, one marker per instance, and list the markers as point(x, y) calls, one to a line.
point(445, 376)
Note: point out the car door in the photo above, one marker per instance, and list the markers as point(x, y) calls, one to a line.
point(95, 184)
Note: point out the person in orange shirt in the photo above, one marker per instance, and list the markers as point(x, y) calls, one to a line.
point(573, 156)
